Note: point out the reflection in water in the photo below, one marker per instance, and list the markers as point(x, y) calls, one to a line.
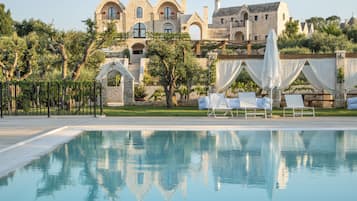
point(141, 165)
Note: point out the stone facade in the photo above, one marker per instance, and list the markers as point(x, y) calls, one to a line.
point(140, 17)
point(251, 22)
point(240, 23)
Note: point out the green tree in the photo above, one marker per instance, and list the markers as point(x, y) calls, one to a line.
point(291, 29)
point(351, 33)
point(333, 18)
point(6, 22)
point(189, 76)
point(321, 42)
point(291, 38)
point(170, 61)
point(18, 56)
point(332, 28)
point(318, 22)
point(28, 26)
point(85, 46)
point(49, 60)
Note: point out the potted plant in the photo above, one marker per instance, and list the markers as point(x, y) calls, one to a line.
point(140, 93)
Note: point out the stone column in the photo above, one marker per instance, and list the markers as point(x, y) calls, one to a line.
point(340, 95)
point(128, 91)
point(249, 48)
point(276, 98)
point(198, 48)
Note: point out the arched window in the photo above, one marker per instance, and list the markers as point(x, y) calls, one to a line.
point(167, 13)
point(138, 48)
point(245, 16)
point(222, 20)
point(139, 30)
point(168, 28)
point(139, 12)
point(111, 13)
point(114, 78)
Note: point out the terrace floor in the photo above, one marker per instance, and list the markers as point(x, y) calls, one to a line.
point(16, 129)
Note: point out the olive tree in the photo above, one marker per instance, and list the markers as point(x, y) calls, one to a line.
point(171, 61)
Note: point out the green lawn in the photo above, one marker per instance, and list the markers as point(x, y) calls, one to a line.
point(157, 111)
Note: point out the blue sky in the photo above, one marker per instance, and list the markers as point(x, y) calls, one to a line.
point(67, 14)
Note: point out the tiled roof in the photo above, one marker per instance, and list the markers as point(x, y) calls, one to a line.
point(256, 8)
point(185, 18)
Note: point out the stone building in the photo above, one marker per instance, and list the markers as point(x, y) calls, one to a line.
point(249, 22)
point(140, 17)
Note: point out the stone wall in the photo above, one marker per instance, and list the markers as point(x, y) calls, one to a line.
point(128, 92)
point(340, 98)
point(113, 94)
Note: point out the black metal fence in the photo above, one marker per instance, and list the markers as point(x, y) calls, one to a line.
point(50, 98)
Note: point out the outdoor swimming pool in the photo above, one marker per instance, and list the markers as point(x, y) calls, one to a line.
point(192, 166)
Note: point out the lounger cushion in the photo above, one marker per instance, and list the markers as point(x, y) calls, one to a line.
point(203, 103)
point(264, 103)
point(233, 103)
point(352, 100)
point(352, 107)
point(352, 103)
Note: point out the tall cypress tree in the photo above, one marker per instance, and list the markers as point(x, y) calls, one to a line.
point(6, 22)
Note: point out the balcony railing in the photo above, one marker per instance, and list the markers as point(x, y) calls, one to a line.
point(238, 24)
point(169, 17)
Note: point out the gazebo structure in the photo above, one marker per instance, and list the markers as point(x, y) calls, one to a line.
point(334, 73)
point(117, 82)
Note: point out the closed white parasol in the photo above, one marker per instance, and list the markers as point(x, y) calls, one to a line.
point(271, 67)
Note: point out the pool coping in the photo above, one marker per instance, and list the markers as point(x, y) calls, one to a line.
point(41, 144)
point(33, 148)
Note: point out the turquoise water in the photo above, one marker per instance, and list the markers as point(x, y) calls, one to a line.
point(192, 166)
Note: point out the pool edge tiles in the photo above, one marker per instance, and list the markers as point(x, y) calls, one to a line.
point(23, 153)
point(210, 128)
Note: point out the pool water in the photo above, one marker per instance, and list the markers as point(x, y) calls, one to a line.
point(192, 166)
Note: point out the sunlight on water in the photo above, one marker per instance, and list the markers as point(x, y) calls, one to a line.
point(191, 166)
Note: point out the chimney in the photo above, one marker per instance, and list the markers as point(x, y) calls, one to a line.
point(217, 5)
point(205, 14)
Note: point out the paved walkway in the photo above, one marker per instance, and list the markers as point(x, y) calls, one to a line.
point(16, 129)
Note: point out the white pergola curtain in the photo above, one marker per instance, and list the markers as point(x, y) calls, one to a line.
point(350, 74)
point(254, 67)
point(227, 72)
point(290, 70)
point(321, 74)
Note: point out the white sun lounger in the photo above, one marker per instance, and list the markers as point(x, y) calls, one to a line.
point(296, 104)
point(248, 103)
point(217, 102)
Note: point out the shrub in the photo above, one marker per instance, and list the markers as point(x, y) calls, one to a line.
point(157, 95)
point(140, 91)
point(295, 50)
